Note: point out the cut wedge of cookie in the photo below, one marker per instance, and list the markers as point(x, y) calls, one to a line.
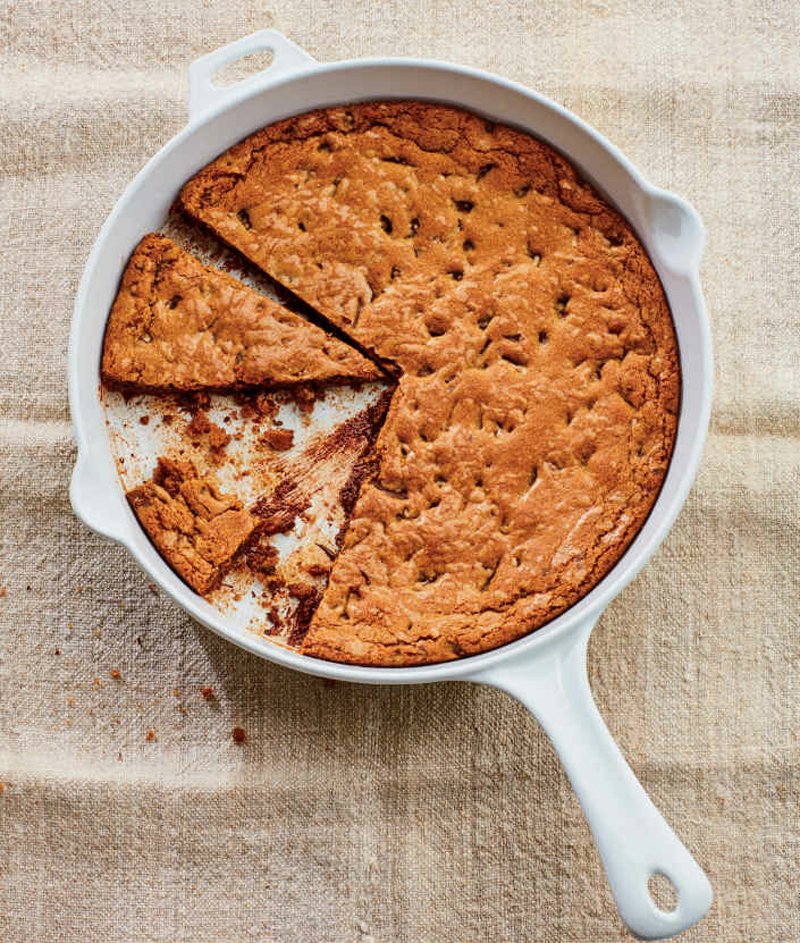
point(179, 325)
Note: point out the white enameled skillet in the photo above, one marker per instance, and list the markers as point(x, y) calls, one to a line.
point(546, 670)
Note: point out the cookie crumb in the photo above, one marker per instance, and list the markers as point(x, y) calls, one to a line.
point(239, 736)
point(306, 397)
point(207, 693)
point(218, 438)
point(262, 559)
point(119, 757)
point(318, 569)
point(58, 651)
point(279, 439)
point(150, 735)
point(144, 420)
point(115, 673)
point(200, 424)
point(266, 405)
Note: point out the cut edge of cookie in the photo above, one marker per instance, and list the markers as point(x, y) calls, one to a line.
point(161, 333)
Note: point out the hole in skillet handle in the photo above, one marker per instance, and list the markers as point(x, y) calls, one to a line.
point(243, 68)
point(663, 893)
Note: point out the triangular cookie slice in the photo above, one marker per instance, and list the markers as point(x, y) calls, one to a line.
point(196, 529)
point(179, 325)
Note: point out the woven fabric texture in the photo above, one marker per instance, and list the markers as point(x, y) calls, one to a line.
point(396, 814)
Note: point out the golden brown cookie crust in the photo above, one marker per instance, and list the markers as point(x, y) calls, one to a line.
point(536, 413)
point(196, 529)
point(179, 325)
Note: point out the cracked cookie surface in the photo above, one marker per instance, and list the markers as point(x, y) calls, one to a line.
point(196, 528)
point(537, 407)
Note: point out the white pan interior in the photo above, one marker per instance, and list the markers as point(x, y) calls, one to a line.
point(669, 229)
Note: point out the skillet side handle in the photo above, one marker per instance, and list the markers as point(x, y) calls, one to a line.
point(633, 839)
point(204, 95)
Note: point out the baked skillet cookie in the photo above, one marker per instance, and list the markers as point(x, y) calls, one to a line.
point(536, 365)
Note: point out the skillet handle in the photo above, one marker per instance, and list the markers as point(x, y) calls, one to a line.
point(633, 839)
point(203, 95)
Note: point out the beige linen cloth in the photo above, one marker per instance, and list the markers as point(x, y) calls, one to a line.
point(415, 814)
